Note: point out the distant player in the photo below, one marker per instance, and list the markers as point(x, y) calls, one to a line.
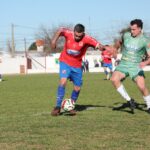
point(76, 44)
point(107, 55)
point(134, 45)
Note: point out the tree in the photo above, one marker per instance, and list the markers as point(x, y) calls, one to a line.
point(33, 46)
point(46, 34)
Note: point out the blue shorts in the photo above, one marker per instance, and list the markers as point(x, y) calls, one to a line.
point(72, 73)
point(107, 65)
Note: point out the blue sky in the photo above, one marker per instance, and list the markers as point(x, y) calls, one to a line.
point(100, 17)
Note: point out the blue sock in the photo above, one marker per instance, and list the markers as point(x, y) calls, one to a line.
point(74, 95)
point(60, 95)
point(106, 72)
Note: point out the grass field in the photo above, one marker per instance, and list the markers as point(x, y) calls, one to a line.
point(26, 123)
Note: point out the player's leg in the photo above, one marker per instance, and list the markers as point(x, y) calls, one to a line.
point(61, 91)
point(140, 81)
point(116, 78)
point(110, 71)
point(116, 81)
point(105, 69)
point(64, 73)
point(75, 93)
point(76, 76)
point(74, 96)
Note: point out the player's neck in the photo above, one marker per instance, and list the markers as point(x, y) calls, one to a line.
point(138, 35)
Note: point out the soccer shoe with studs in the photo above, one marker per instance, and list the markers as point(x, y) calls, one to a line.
point(148, 110)
point(132, 104)
point(56, 111)
point(72, 112)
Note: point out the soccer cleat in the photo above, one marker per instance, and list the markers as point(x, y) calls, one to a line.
point(148, 110)
point(56, 111)
point(72, 112)
point(132, 104)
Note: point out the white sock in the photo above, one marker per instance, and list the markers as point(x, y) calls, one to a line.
point(147, 100)
point(123, 93)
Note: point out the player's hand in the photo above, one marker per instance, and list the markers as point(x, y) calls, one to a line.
point(99, 46)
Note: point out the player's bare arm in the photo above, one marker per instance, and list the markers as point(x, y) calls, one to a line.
point(54, 39)
point(99, 46)
point(116, 47)
point(114, 52)
point(118, 44)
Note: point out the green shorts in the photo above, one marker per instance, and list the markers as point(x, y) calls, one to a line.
point(130, 69)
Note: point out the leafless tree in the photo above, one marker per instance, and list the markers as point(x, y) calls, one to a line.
point(46, 34)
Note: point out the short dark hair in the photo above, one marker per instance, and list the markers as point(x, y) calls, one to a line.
point(138, 22)
point(79, 28)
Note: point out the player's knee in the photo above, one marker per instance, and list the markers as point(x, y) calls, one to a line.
point(77, 88)
point(63, 84)
point(113, 79)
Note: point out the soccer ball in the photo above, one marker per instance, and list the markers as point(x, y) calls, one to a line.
point(67, 105)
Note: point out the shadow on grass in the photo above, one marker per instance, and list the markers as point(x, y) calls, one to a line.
point(87, 107)
point(82, 108)
point(123, 107)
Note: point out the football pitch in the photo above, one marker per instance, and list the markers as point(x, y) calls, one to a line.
point(26, 124)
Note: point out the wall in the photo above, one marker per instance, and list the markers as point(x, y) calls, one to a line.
point(43, 64)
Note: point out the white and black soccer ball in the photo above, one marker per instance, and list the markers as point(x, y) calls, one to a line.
point(67, 105)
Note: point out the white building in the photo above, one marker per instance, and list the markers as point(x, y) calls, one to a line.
point(38, 62)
